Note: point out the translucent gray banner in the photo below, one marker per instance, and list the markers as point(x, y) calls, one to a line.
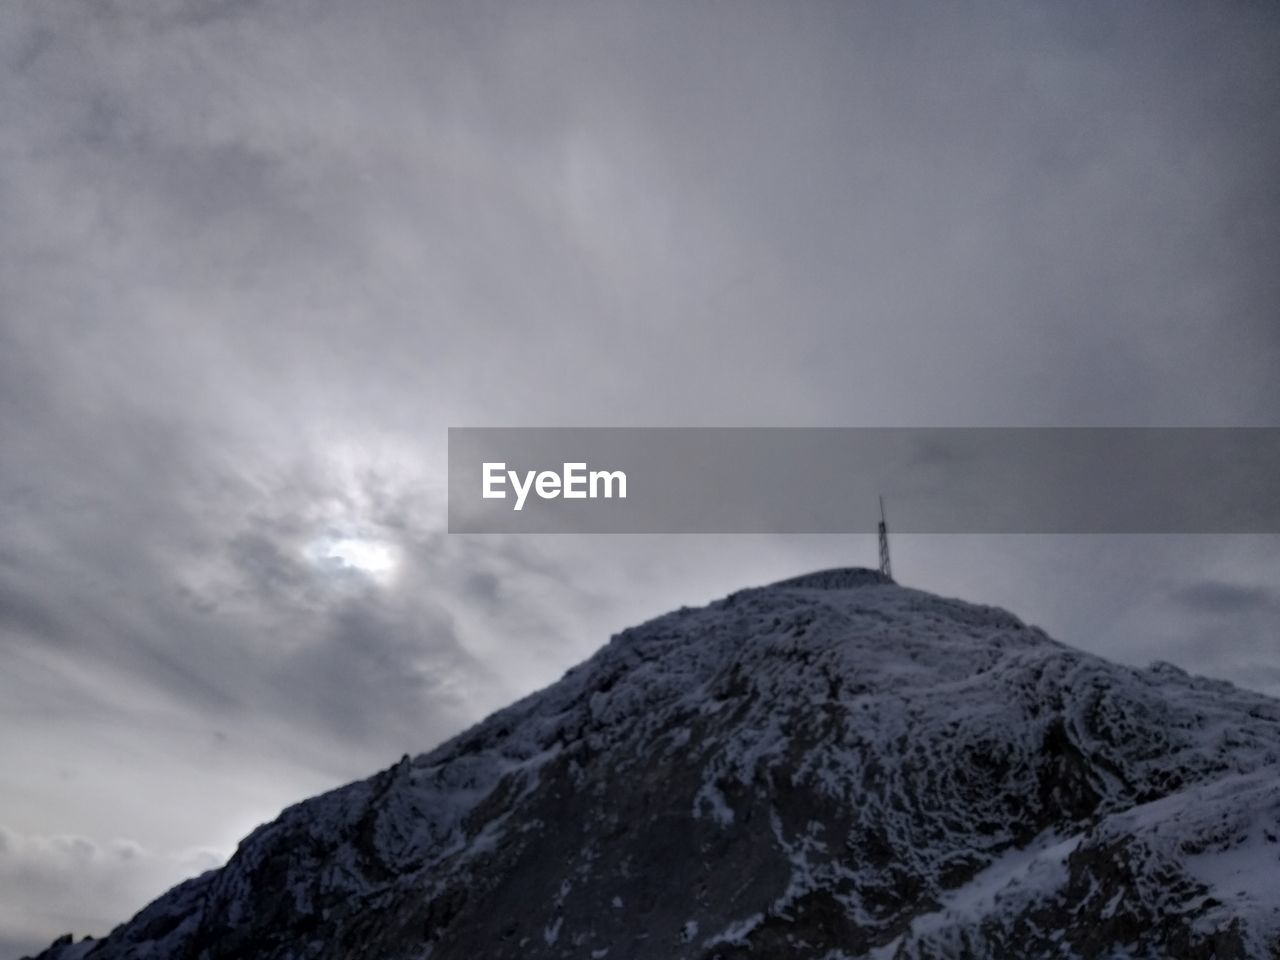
point(828, 480)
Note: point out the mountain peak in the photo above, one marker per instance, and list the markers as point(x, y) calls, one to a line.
point(836, 578)
point(832, 766)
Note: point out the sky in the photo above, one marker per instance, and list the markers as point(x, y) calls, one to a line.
point(256, 258)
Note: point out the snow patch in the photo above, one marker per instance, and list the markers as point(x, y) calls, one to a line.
point(551, 933)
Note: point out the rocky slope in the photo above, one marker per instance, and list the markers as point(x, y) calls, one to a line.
point(829, 767)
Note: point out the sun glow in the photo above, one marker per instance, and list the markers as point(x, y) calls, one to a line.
point(373, 558)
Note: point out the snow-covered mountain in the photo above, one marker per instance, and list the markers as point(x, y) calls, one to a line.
point(829, 767)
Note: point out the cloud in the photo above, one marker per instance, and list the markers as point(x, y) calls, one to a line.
point(1226, 599)
point(74, 884)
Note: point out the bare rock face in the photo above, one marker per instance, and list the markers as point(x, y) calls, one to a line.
point(830, 767)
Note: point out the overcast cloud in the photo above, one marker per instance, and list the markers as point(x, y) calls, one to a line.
point(255, 258)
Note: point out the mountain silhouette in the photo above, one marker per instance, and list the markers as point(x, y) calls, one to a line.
point(830, 767)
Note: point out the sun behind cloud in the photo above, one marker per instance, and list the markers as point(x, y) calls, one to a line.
point(375, 559)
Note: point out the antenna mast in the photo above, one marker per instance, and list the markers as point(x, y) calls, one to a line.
point(885, 569)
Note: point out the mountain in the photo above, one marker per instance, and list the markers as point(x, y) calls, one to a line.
point(830, 767)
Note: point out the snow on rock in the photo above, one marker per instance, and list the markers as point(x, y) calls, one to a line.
point(829, 767)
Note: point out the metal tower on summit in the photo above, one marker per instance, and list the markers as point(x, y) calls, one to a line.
point(885, 568)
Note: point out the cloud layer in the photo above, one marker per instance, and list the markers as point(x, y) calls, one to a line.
point(255, 258)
